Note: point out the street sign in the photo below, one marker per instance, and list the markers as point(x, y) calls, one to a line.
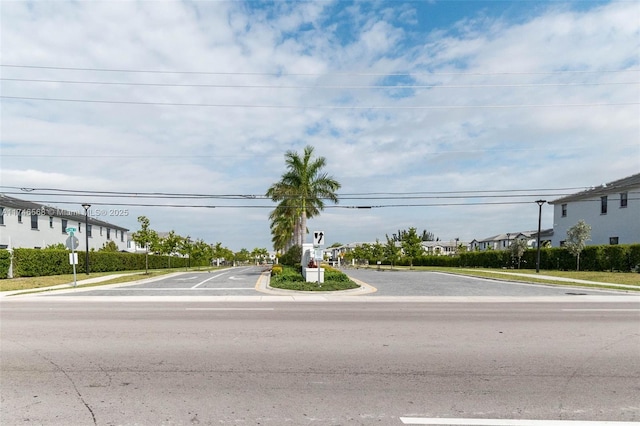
point(72, 242)
point(318, 238)
point(73, 259)
point(71, 230)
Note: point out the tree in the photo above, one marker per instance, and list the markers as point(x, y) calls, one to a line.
point(144, 238)
point(258, 254)
point(517, 249)
point(391, 251)
point(300, 193)
point(184, 248)
point(169, 244)
point(201, 253)
point(577, 235)
point(109, 246)
point(427, 236)
point(242, 256)
point(411, 245)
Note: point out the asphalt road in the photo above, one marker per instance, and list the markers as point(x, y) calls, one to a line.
point(67, 362)
point(242, 281)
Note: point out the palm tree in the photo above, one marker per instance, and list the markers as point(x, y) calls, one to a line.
point(301, 192)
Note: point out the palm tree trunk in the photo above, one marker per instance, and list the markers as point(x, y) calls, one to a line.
point(303, 227)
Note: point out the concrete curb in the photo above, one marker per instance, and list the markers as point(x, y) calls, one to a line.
point(263, 287)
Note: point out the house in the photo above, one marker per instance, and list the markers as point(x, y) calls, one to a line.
point(24, 224)
point(446, 248)
point(612, 210)
point(503, 241)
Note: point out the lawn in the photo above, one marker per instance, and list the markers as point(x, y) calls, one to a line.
point(30, 283)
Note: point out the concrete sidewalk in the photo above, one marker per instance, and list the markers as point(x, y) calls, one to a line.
point(562, 279)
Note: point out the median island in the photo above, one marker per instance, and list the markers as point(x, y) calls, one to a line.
point(290, 278)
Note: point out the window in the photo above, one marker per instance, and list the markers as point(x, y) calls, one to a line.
point(603, 205)
point(88, 230)
point(1, 215)
point(19, 216)
point(613, 240)
point(101, 231)
point(623, 199)
point(64, 226)
point(79, 227)
point(50, 221)
point(108, 233)
point(34, 221)
point(564, 210)
point(122, 236)
point(562, 243)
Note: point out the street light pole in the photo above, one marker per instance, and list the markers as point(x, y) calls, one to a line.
point(86, 236)
point(540, 203)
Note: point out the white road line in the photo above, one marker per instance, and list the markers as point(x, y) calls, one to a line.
point(179, 289)
point(229, 309)
point(209, 279)
point(186, 279)
point(600, 310)
point(508, 422)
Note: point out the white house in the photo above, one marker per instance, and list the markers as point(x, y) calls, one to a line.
point(612, 210)
point(24, 224)
point(503, 241)
point(439, 248)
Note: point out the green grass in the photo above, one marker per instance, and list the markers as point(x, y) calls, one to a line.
point(291, 279)
point(32, 283)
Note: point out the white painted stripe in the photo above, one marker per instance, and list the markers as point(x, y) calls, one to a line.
point(229, 309)
point(178, 289)
point(600, 310)
point(209, 279)
point(508, 422)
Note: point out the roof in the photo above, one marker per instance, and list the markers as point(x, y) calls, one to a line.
point(619, 185)
point(16, 203)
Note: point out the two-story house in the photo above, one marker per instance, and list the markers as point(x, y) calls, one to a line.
point(24, 224)
point(612, 210)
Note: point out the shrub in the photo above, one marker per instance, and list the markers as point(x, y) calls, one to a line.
point(5, 263)
point(292, 257)
point(276, 270)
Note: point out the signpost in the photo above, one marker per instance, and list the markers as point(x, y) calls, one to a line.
point(72, 243)
point(318, 240)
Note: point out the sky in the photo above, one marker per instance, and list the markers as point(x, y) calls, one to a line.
point(449, 116)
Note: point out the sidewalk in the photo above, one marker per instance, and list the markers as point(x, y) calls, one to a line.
point(562, 279)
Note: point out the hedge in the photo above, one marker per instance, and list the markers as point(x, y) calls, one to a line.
point(624, 258)
point(36, 262)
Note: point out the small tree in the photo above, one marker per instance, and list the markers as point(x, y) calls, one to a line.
point(109, 246)
point(144, 238)
point(517, 249)
point(411, 245)
point(391, 251)
point(577, 235)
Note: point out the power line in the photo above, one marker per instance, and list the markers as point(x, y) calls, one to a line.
point(391, 74)
point(334, 107)
point(342, 87)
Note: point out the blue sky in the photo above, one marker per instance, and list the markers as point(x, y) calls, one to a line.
point(416, 106)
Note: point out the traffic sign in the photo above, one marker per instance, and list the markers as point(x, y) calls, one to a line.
point(71, 243)
point(71, 230)
point(318, 238)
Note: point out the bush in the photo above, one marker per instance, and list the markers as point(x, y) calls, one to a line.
point(276, 270)
point(5, 263)
point(36, 263)
point(292, 257)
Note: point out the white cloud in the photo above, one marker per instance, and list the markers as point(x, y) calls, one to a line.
point(239, 150)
